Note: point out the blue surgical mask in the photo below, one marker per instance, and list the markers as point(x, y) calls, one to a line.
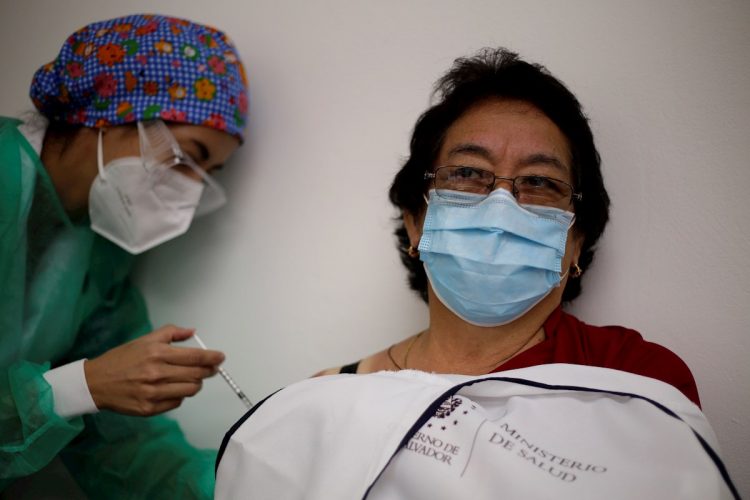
point(491, 260)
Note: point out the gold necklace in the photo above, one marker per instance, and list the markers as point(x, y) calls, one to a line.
point(506, 358)
point(408, 350)
point(411, 344)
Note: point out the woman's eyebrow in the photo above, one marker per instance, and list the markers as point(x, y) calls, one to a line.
point(544, 159)
point(471, 149)
point(533, 159)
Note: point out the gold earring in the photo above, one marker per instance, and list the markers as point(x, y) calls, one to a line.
point(412, 252)
point(577, 271)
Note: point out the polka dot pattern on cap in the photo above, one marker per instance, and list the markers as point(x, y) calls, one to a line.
point(142, 67)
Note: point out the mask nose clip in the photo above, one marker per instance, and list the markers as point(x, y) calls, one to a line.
point(501, 182)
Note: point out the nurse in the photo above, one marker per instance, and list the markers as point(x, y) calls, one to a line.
point(134, 115)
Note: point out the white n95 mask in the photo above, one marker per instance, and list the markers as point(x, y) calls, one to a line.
point(137, 207)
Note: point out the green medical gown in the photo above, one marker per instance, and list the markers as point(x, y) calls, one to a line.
point(65, 295)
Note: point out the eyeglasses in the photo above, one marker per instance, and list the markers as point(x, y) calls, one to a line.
point(161, 152)
point(527, 189)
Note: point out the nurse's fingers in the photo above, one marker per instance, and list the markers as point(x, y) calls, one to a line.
point(165, 405)
point(191, 356)
point(169, 333)
point(176, 390)
point(176, 373)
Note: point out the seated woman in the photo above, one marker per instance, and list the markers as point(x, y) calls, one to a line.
point(502, 203)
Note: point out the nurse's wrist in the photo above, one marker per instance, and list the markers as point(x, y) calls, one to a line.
point(96, 384)
point(70, 390)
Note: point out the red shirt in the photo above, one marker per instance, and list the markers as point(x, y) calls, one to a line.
point(570, 340)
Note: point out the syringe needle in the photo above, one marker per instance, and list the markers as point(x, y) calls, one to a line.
point(229, 380)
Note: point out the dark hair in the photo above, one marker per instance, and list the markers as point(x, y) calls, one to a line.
point(492, 74)
point(61, 134)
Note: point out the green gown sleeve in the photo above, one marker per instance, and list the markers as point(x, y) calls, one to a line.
point(119, 456)
point(31, 433)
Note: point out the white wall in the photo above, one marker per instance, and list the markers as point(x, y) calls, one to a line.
point(300, 273)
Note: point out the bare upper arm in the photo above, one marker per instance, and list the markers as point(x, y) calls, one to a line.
point(328, 371)
point(373, 363)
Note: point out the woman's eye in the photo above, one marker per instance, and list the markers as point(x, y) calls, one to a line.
point(468, 173)
point(187, 157)
point(537, 185)
point(535, 181)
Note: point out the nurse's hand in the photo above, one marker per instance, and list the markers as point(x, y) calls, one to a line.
point(148, 376)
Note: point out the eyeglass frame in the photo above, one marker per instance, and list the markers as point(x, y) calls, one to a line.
point(432, 176)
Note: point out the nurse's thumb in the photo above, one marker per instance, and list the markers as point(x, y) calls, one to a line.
point(172, 333)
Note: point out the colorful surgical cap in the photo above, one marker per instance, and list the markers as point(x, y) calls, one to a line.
point(142, 67)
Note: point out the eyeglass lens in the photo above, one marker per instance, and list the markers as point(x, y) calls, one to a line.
point(528, 189)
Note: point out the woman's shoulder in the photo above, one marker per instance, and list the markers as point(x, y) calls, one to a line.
point(16, 159)
point(609, 342)
point(376, 362)
point(625, 349)
point(10, 136)
point(329, 371)
point(8, 123)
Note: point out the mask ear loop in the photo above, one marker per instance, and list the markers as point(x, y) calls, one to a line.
point(147, 160)
point(100, 156)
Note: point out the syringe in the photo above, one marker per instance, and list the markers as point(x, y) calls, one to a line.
point(227, 378)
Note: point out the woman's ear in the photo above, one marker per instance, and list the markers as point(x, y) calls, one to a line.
point(413, 224)
point(120, 141)
point(577, 244)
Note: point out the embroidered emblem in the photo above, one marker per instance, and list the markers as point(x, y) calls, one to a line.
point(447, 407)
